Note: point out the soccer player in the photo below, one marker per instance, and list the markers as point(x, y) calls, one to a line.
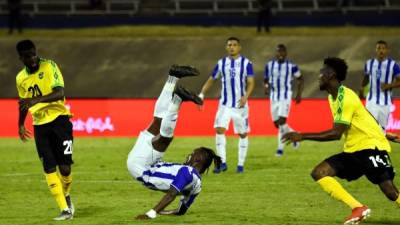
point(144, 161)
point(365, 146)
point(40, 88)
point(237, 77)
point(278, 77)
point(383, 74)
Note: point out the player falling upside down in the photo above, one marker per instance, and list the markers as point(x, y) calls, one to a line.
point(144, 161)
point(365, 146)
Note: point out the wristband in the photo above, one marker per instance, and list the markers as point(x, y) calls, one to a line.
point(201, 95)
point(151, 214)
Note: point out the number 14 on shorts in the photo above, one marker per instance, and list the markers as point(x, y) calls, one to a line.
point(376, 160)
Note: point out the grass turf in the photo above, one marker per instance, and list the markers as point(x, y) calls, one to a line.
point(271, 191)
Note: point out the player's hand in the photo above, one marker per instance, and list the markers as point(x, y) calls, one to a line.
point(242, 101)
point(24, 134)
point(298, 98)
point(393, 137)
point(385, 87)
point(266, 89)
point(291, 137)
point(142, 217)
point(201, 107)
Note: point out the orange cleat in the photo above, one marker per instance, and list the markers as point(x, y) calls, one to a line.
point(357, 215)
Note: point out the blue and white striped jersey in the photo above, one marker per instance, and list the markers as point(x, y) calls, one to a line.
point(280, 76)
point(380, 72)
point(185, 179)
point(233, 73)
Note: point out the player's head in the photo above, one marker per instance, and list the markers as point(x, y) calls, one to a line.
point(233, 46)
point(203, 157)
point(281, 52)
point(27, 54)
point(333, 69)
point(381, 49)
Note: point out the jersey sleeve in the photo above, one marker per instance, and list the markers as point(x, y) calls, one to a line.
point(296, 71)
point(56, 78)
point(216, 72)
point(185, 203)
point(20, 90)
point(182, 178)
point(396, 70)
point(345, 109)
point(249, 69)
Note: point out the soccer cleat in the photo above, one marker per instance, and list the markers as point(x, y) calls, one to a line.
point(296, 145)
point(279, 153)
point(183, 71)
point(239, 169)
point(222, 168)
point(70, 204)
point(357, 215)
point(64, 215)
point(187, 95)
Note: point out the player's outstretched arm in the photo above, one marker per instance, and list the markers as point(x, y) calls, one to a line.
point(333, 134)
point(395, 84)
point(57, 94)
point(364, 83)
point(300, 87)
point(23, 133)
point(207, 85)
point(164, 202)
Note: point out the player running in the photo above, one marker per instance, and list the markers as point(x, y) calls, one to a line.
point(365, 146)
point(145, 160)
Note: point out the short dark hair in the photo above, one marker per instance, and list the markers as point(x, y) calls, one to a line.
point(281, 46)
point(338, 65)
point(233, 39)
point(382, 42)
point(25, 45)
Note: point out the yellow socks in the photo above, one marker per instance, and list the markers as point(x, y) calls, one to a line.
point(66, 183)
point(56, 189)
point(332, 187)
point(398, 201)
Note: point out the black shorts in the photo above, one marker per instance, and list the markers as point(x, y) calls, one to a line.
point(374, 164)
point(54, 142)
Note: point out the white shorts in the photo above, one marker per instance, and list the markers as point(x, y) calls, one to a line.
point(379, 112)
point(240, 119)
point(142, 155)
point(280, 109)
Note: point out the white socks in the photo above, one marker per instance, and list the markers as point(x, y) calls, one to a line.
point(220, 141)
point(163, 100)
point(168, 123)
point(243, 146)
point(283, 129)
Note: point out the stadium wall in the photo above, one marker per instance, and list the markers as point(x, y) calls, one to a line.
point(127, 117)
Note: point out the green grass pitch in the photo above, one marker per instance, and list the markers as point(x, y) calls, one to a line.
point(272, 191)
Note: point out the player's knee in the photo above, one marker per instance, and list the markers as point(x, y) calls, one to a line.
point(244, 135)
point(318, 173)
point(65, 170)
point(50, 170)
point(220, 130)
point(281, 121)
point(276, 124)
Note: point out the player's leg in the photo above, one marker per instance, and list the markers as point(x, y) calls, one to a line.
point(241, 127)
point(281, 122)
point(161, 142)
point(390, 191)
point(221, 124)
point(62, 143)
point(44, 146)
point(163, 101)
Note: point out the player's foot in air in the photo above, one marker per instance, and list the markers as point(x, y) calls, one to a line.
point(279, 153)
point(357, 215)
point(64, 215)
point(187, 95)
point(183, 71)
point(70, 204)
point(222, 168)
point(239, 169)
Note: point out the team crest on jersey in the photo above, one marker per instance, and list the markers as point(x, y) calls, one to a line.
point(41, 75)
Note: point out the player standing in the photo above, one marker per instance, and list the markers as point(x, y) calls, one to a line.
point(278, 77)
point(237, 77)
point(383, 74)
point(40, 88)
point(365, 146)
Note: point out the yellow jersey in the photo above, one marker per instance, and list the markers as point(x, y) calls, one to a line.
point(364, 132)
point(40, 83)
